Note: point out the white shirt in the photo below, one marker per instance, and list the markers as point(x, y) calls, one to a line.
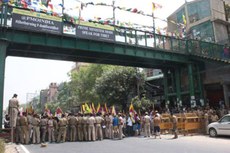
point(129, 122)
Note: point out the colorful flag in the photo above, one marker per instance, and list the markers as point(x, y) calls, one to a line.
point(113, 110)
point(155, 6)
point(58, 110)
point(131, 108)
point(93, 108)
point(105, 108)
point(184, 19)
point(87, 108)
point(98, 108)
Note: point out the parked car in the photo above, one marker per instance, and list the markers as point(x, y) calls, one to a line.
point(221, 127)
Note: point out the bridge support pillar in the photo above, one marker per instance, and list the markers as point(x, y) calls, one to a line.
point(178, 84)
point(200, 85)
point(3, 46)
point(191, 84)
point(165, 82)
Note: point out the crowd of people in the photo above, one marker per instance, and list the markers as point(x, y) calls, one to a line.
point(32, 128)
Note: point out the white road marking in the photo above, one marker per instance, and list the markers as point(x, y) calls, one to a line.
point(24, 149)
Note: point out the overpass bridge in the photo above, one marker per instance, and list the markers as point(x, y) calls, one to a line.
point(116, 45)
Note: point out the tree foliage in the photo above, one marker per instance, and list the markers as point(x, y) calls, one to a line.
point(101, 84)
point(118, 84)
point(82, 83)
point(142, 104)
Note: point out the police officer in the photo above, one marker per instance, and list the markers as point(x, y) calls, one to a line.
point(43, 125)
point(85, 127)
point(63, 122)
point(98, 127)
point(109, 125)
point(24, 137)
point(18, 129)
point(174, 128)
point(79, 127)
point(72, 127)
point(50, 127)
point(13, 110)
point(91, 128)
point(36, 128)
point(30, 126)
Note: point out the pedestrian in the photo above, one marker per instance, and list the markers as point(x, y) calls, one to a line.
point(157, 122)
point(115, 126)
point(129, 125)
point(174, 127)
point(147, 124)
point(13, 110)
point(7, 122)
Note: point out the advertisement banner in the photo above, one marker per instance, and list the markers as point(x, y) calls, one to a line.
point(35, 21)
point(95, 31)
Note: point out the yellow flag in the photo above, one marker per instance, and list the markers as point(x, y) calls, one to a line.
point(153, 6)
point(184, 19)
point(87, 108)
point(98, 107)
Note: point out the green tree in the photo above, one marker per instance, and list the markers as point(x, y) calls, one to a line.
point(142, 104)
point(118, 84)
point(82, 83)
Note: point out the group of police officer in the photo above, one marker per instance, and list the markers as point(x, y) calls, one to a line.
point(80, 127)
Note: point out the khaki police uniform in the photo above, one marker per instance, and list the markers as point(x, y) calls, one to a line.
point(30, 127)
point(85, 127)
point(79, 128)
point(98, 133)
point(109, 126)
point(43, 125)
point(36, 129)
point(120, 122)
point(72, 125)
point(13, 111)
point(91, 128)
point(50, 126)
point(24, 137)
point(18, 130)
point(62, 129)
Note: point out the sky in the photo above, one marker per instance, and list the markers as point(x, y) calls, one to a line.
point(27, 76)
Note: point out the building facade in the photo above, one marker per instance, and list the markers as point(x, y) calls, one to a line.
point(207, 20)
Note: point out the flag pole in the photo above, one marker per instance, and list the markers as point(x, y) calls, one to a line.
point(114, 15)
point(154, 29)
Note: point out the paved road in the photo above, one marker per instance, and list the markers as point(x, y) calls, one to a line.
point(185, 144)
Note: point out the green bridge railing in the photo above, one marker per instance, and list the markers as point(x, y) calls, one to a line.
point(141, 38)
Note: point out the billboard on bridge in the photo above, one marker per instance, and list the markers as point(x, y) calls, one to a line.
point(79, 20)
point(69, 17)
point(35, 21)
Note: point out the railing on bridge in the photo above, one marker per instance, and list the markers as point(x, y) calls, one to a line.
point(135, 37)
